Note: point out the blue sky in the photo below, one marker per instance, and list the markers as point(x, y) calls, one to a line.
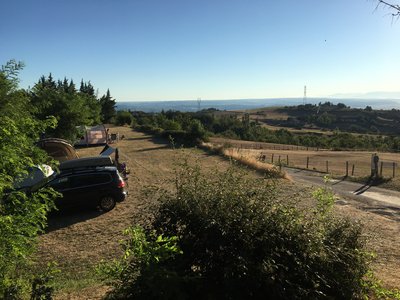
point(213, 49)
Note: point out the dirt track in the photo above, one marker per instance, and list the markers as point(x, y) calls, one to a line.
point(78, 240)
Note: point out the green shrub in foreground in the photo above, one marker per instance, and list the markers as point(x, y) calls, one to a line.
point(235, 240)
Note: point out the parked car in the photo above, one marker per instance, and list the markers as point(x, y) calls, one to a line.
point(88, 182)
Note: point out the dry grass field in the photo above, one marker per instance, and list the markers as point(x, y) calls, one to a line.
point(260, 115)
point(332, 162)
point(78, 240)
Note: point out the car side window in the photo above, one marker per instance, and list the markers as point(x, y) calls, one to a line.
point(89, 180)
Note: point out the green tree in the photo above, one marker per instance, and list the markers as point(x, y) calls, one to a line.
point(108, 111)
point(22, 217)
point(123, 118)
point(69, 107)
point(86, 91)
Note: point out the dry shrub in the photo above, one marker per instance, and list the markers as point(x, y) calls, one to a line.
point(233, 153)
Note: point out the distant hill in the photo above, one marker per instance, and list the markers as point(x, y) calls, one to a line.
point(334, 116)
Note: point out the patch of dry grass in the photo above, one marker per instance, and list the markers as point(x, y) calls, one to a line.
point(250, 161)
point(332, 162)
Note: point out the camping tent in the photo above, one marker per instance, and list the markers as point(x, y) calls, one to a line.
point(95, 135)
point(59, 149)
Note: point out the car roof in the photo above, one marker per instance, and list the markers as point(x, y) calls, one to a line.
point(86, 162)
point(86, 170)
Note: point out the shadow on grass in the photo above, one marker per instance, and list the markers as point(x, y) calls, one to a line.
point(154, 148)
point(391, 212)
point(370, 181)
point(143, 138)
point(340, 180)
point(69, 216)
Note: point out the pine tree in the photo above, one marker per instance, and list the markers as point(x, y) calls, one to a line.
point(108, 111)
point(62, 101)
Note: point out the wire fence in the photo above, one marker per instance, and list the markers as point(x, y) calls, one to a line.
point(343, 163)
point(335, 166)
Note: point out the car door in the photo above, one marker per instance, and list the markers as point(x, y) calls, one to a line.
point(89, 188)
point(62, 185)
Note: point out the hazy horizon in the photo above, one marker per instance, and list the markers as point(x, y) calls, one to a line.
point(238, 104)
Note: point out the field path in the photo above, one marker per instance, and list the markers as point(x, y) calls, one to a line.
point(365, 197)
point(384, 200)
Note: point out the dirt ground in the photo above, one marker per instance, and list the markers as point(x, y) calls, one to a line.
point(78, 240)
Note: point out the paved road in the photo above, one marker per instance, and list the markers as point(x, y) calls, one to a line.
point(363, 193)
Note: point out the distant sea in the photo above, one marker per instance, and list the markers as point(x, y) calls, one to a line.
point(240, 104)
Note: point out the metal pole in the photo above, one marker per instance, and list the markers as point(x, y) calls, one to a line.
point(394, 169)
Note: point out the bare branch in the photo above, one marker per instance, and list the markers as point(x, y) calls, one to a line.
point(395, 7)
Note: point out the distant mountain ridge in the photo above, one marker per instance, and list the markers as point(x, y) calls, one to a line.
point(240, 104)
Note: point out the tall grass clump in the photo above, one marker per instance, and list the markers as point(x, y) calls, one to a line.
point(231, 238)
point(228, 151)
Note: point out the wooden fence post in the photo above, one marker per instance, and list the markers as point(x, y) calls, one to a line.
point(352, 171)
point(381, 169)
point(327, 167)
point(279, 160)
point(347, 168)
point(394, 169)
point(308, 160)
point(287, 160)
point(272, 158)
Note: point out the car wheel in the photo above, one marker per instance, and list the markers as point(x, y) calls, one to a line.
point(107, 203)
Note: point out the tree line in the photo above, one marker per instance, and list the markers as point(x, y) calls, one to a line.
point(69, 105)
point(200, 125)
point(53, 109)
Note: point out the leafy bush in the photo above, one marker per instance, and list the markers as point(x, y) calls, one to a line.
point(22, 216)
point(239, 241)
point(179, 136)
point(149, 129)
point(123, 118)
point(42, 284)
point(146, 263)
